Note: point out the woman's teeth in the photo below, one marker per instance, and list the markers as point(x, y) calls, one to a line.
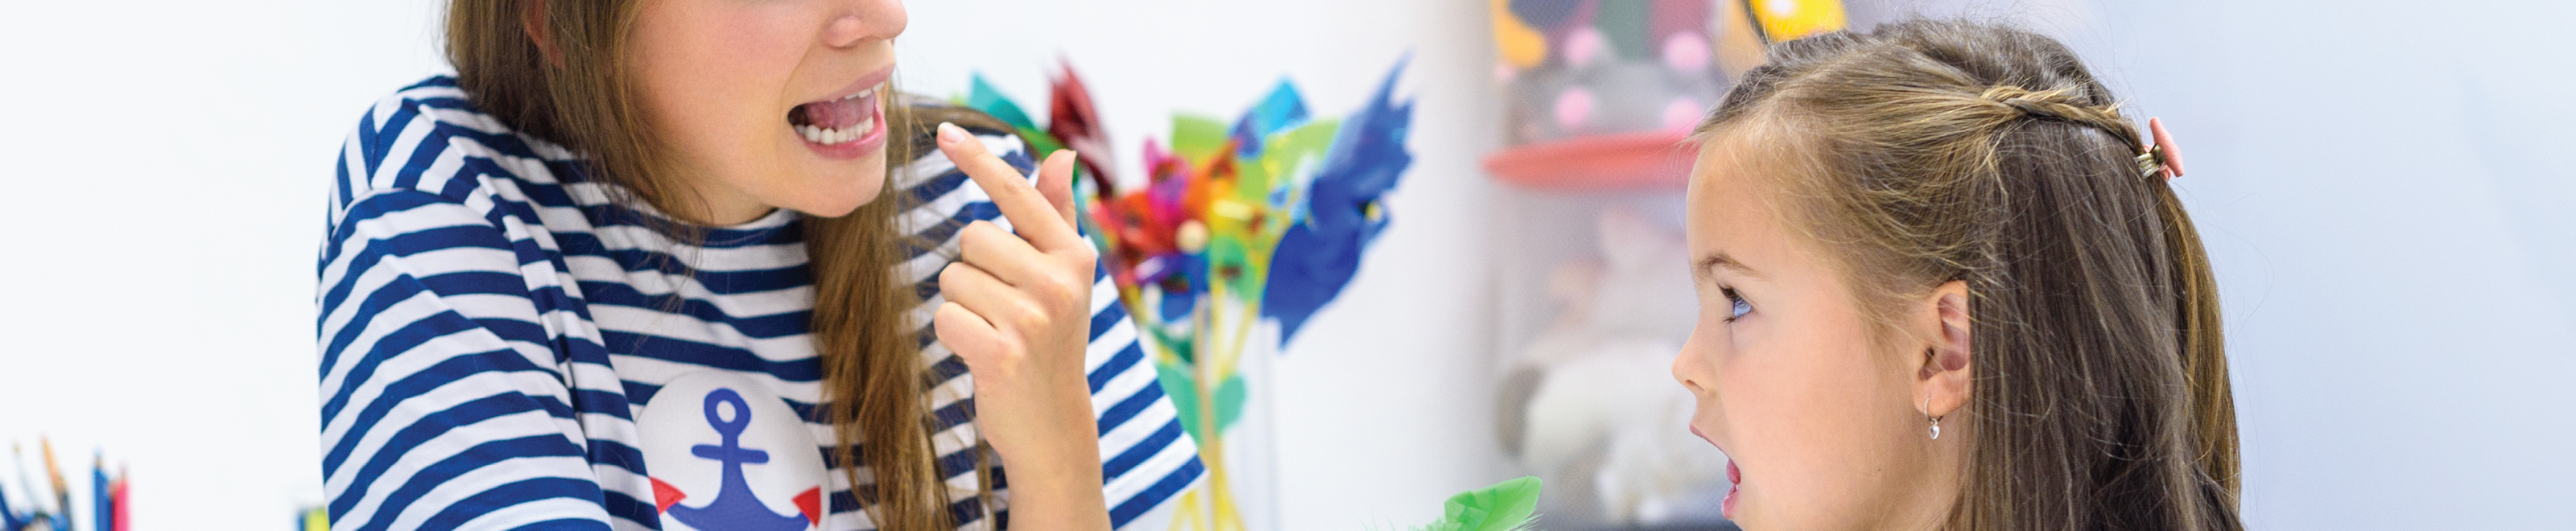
point(820, 135)
point(867, 121)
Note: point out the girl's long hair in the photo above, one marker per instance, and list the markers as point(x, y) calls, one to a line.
point(867, 340)
point(1931, 151)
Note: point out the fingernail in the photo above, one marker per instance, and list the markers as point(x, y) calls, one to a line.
point(949, 133)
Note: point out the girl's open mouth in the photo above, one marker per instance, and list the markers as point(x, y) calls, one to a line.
point(1735, 483)
point(843, 127)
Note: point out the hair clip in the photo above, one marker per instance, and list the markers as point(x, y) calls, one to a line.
point(2162, 156)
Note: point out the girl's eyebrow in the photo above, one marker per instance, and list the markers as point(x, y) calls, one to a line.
point(1711, 262)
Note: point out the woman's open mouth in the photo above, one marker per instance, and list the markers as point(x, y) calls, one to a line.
point(845, 127)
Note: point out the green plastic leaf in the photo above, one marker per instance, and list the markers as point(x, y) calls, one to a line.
point(1185, 395)
point(1229, 401)
point(983, 97)
point(1041, 144)
point(1176, 337)
point(1505, 506)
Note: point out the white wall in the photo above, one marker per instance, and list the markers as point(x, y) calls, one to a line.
point(2380, 184)
point(2383, 189)
point(2385, 192)
point(165, 164)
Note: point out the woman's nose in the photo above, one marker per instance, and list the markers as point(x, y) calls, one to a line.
point(861, 21)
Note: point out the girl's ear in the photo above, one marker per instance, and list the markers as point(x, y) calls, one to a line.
point(1943, 382)
point(533, 17)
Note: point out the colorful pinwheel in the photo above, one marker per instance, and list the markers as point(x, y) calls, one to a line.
point(1261, 218)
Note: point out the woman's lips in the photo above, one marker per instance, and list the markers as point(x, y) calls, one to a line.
point(865, 83)
point(848, 124)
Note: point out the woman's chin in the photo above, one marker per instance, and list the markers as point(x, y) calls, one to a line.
point(841, 204)
point(836, 188)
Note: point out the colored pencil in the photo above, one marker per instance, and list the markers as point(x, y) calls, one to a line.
point(9, 520)
point(101, 502)
point(62, 489)
point(35, 498)
point(121, 496)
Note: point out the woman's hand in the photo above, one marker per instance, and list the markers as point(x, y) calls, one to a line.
point(1019, 314)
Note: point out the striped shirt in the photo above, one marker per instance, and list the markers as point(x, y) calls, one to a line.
point(492, 326)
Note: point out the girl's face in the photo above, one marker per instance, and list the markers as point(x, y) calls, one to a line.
point(1819, 421)
point(770, 103)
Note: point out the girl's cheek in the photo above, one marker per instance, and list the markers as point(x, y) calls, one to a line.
point(1745, 396)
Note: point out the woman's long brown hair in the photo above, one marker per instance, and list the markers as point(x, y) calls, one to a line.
point(586, 101)
point(1940, 151)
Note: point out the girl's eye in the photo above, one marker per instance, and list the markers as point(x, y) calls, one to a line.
point(1738, 307)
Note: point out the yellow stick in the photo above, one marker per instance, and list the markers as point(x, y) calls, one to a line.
point(1215, 364)
point(1187, 516)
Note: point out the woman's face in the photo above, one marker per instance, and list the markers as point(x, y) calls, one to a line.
point(770, 103)
point(1816, 418)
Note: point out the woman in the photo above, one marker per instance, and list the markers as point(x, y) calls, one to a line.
point(637, 257)
point(1945, 285)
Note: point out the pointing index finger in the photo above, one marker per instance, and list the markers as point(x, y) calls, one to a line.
point(1032, 215)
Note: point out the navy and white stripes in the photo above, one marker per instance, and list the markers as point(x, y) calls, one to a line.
point(490, 323)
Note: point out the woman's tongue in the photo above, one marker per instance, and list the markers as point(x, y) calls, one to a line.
point(836, 114)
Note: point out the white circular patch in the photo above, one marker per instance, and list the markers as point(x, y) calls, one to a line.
point(727, 455)
point(1781, 8)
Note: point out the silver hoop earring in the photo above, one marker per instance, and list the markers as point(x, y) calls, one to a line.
point(1936, 421)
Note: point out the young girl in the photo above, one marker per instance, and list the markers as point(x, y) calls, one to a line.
point(669, 263)
point(1945, 285)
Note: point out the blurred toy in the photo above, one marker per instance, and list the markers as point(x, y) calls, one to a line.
point(1259, 220)
point(1598, 411)
point(1506, 506)
point(1749, 26)
point(314, 519)
point(1586, 67)
point(1602, 93)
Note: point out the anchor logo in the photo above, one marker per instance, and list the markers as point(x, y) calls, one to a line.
point(737, 504)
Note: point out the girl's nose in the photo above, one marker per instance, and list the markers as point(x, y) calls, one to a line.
point(1686, 365)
